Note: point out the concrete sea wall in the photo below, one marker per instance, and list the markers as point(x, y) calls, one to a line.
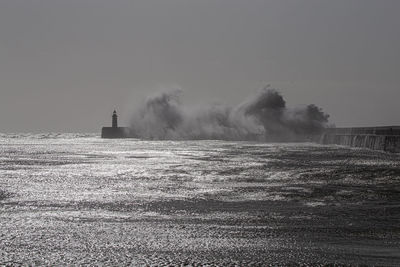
point(116, 132)
point(376, 138)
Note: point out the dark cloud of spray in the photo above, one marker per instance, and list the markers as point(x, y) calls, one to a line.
point(263, 117)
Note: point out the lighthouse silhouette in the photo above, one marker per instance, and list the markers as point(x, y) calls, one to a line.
point(114, 131)
point(115, 119)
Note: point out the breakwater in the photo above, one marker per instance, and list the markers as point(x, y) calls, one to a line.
point(377, 138)
point(116, 132)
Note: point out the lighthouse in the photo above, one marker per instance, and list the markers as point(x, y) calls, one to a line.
point(114, 131)
point(115, 119)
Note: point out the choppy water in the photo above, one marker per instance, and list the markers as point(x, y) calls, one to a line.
point(78, 199)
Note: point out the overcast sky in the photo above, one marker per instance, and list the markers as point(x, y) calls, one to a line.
point(65, 64)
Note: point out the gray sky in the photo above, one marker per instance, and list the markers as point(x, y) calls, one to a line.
point(64, 65)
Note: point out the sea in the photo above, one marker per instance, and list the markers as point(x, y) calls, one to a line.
point(79, 200)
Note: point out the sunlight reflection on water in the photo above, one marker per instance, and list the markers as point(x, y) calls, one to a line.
point(273, 203)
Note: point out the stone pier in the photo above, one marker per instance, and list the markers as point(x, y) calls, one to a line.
point(377, 138)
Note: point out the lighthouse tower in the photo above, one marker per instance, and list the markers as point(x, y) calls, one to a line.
point(114, 131)
point(115, 120)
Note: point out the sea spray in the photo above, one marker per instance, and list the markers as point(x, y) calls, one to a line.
point(262, 117)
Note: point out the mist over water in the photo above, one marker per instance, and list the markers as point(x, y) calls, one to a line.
point(262, 117)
